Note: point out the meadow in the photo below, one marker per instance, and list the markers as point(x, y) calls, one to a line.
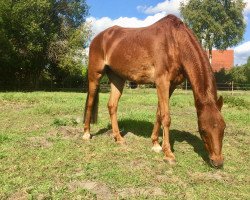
point(42, 155)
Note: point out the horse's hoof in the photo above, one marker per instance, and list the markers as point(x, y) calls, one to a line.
point(157, 148)
point(170, 161)
point(86, 136)
point(121, 142)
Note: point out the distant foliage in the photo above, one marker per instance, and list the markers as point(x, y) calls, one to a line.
point(41, 40)
point(248, 61)
point(216, 23)
point(237, 102)
point(223, 76)
point(241, 74)
point(238, 74)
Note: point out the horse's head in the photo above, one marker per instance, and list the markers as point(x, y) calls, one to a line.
point(211, 128)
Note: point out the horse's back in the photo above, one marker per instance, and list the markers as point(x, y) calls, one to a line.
point(133, 53)
point(129, 53)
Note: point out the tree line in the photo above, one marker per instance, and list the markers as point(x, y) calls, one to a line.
point(42, 43)
point(238, 74)
point(218, 24)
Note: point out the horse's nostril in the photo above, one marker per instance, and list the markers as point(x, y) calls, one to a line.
point(216, 163)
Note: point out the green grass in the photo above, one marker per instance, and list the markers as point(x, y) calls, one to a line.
point(42, 155)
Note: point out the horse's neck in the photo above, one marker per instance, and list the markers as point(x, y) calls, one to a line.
point(199, 73)
point(203, 85)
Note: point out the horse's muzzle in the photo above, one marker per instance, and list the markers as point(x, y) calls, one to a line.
point(217, 163)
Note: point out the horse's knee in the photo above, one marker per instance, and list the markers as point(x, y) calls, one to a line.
point(112, 108)
point(165, 120)
point(158, 117)
point(154, 137)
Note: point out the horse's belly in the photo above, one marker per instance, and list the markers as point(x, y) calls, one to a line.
point(143, 75)
point(140, 74)
point(137, 67)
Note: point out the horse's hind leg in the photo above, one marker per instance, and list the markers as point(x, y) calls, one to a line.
point(117, 84)
point(157, 126)
point(95, 72)
point(92, 95)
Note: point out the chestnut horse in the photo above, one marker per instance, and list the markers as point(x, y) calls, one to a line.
point(164, 53)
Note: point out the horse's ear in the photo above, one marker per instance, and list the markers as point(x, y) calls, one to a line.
point(220, 103)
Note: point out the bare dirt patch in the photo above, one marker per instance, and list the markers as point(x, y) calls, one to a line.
point(209, 176)
point(66, 132)
point(101, 190)
point(171, 179)
point(40, 142)
point(135, 192)
point(123, 133)
point(14, 106)
point(108, 133)
point(129, 135)
point(138, 164)
point(165, 179)
point(19, 195)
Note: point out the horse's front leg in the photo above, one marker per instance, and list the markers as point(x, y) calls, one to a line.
point(157, 126)
point(163, 86)
point(155, 133)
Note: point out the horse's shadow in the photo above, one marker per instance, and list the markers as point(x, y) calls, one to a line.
point(144, 129)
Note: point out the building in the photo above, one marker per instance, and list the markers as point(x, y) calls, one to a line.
point(222, 59)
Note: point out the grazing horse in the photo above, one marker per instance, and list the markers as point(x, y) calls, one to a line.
point(163, 53)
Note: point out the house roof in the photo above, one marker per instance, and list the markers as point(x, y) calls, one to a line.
point(222, 59)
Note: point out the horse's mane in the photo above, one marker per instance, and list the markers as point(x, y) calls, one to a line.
point(205, 70)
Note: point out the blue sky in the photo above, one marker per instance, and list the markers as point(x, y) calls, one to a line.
point(138, 13)
point(118, 8)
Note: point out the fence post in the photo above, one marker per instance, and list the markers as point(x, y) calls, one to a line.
point(186, 85)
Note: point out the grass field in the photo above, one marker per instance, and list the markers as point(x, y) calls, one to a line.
point(42, 155)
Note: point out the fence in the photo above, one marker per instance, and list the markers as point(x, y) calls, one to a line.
point(231, 86)
point(104, 87)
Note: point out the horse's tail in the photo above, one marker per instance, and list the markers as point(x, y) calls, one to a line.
point(94, 111)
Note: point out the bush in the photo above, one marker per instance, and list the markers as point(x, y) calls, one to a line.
point(237, 102)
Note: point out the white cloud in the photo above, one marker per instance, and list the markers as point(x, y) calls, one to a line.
point(101, 24)
point(172, 7)
point(247, 8)
point(157, 12)
point(241, 53)
point(168, 6)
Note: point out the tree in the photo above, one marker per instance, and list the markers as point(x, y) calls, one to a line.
point(223, 76)
point(217, 23)
point(38, 35)
point(248, 60)
point(241, 74)
point(68, 57)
